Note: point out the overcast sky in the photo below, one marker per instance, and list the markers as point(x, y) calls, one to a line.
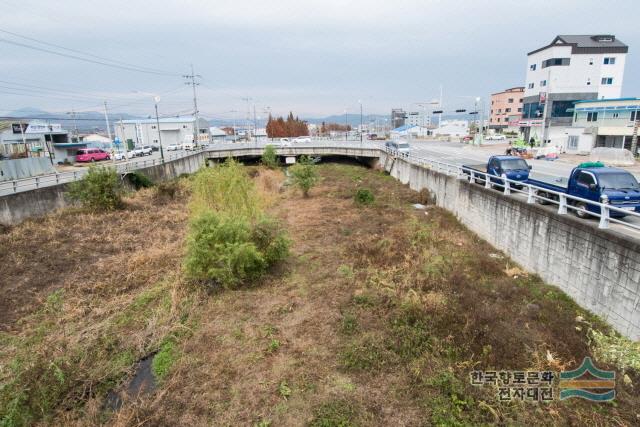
point(313, 57)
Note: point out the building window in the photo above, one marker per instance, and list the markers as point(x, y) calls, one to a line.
point(153, 126)
point(609, 61)
point(607, 80)
point(530, 86)
point(499, 110)
point(510, 100)
point(562, 108)
point(519, 110)
point(532, 67)
point(592, 117)
point(588, 82)
point(635, 115)
point(520, 100)
point(491, 111)
point(507, 110)
point(572, 142)
point(615, 115)
point(543, 83)
point(553, 62)
point(590, 61)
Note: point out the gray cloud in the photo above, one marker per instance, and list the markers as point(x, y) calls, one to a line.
point(313, 57)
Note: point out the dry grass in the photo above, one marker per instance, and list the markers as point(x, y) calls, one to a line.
point(376, 318)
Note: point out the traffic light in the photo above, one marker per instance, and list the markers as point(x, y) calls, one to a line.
point(437, 111)
point(461, 111)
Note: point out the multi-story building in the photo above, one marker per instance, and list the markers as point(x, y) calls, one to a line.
point(603, 123)
point(398, 117)
point(506, 109)
point(571, 68)
point(173, 130)
point(418, 118)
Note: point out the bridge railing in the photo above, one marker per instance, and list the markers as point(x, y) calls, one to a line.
point(533, 193)
point(35, 182)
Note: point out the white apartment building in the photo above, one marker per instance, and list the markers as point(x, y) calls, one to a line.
point(571, 68)
point(417, 118)
point(173, 130)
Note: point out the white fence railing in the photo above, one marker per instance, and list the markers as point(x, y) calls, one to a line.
point(534, 193)
point(26, 184)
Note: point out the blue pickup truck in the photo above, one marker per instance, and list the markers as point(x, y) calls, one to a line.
point(594, 181)
point(515, 168)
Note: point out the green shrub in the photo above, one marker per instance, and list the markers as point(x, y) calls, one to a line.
point(364, 196)
point(99, 190)
point(230, 250)
point(271, 240)
point(336, 413)
point(226, 189)
point(304, 175)
point(269, 157)
point(139, 180)
point(219, 248)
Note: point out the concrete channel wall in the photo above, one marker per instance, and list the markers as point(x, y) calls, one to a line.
point(15, 208)
point(599, 269)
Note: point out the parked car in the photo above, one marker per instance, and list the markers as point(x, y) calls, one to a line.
point(302, 139)
point(496, 137)
point(400, 147)
point(513, 167)
point(91, 155)
point(188, 146)
point(467, 138)
point(595, 182)
point(120, 155)
point(174, 147)
point(145, 150)
point(284, 142)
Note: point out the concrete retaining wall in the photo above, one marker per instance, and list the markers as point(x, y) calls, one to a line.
point(599, 269)
point(15, 208)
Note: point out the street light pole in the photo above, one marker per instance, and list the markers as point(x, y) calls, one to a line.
point(157, 99)
point(360, 102)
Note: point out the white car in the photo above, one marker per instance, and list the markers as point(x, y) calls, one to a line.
point(120, 155)
point(302, 139)
point(174, 147)
point(496, 137)
point(188, 146)
point(284, 142)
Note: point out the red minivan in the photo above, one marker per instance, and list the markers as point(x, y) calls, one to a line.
point(91, 155)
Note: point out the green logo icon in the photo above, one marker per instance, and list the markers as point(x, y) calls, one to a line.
point(598, 386)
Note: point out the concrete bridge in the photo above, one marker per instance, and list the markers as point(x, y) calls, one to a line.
point(599, 269)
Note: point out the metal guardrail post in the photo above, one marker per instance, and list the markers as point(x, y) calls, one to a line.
point(507, 185)
point(562, 206)
point(37, 182)
point(487, 180)
point(604, 217)
point(472, 177)
point(15, 186)
point(530, 195)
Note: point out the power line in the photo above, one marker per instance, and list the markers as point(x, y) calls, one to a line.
point(106, 64)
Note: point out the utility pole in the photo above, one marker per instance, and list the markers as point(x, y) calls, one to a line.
point(440, 105)
point(157, 99)
point(124, 142)
point(24, 140)
point(247, 99)
point(360, 102)
point(72, 113)
point(106, 118)
point(191, 82)
point(346, 128)
point(255, 124)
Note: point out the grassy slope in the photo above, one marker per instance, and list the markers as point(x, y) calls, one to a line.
point(377, 318)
